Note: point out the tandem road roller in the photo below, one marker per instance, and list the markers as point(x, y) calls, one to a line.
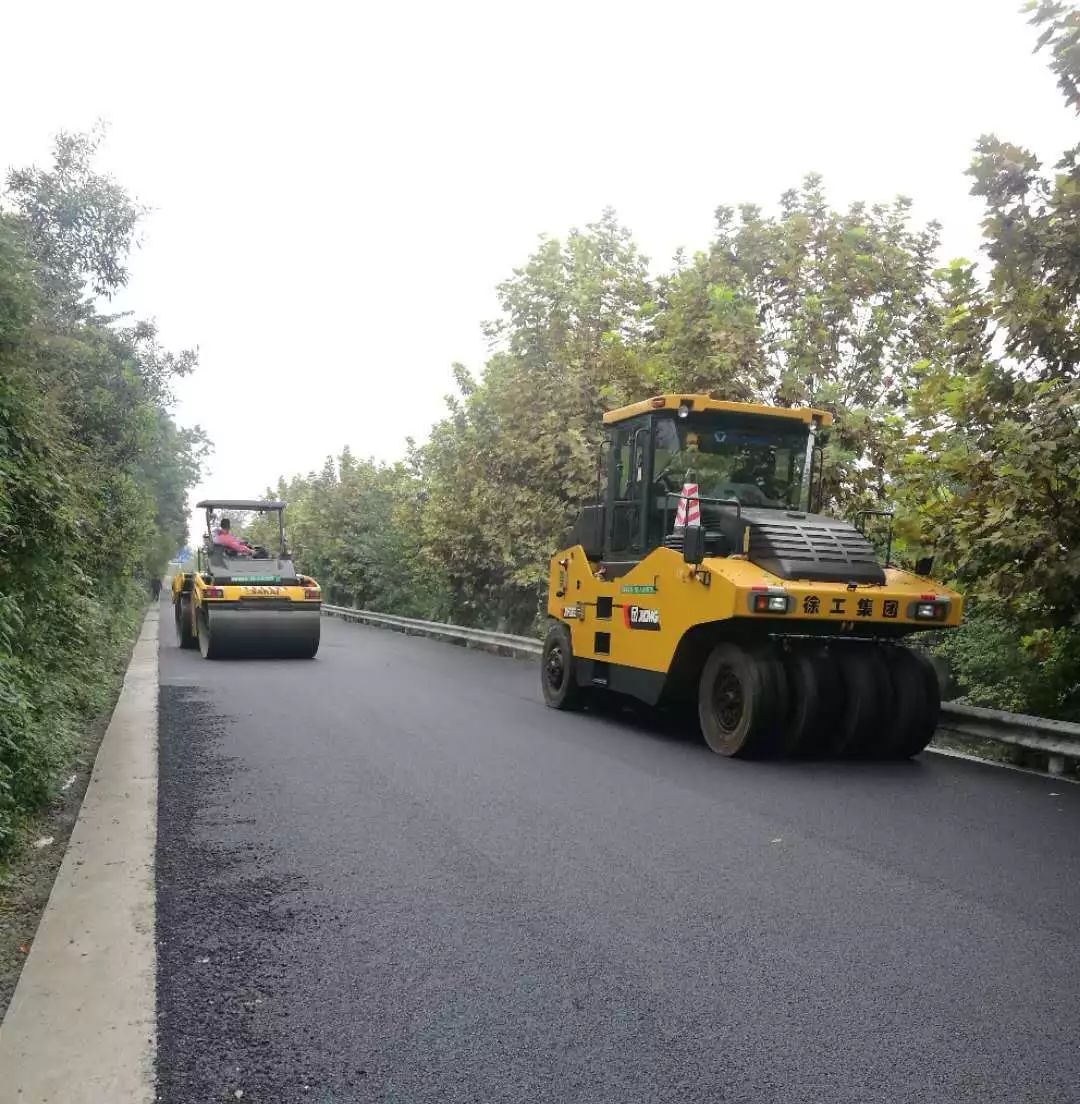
point(246, 604)
point(701, 575)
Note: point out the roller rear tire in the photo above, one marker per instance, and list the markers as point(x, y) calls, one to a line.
point(867, 692)
point(916, 704)
point(558, 677)
point(815, 701)
point(742, 700)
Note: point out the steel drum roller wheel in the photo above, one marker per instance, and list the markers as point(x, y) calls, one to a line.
point(206, 639)
point(182, 615)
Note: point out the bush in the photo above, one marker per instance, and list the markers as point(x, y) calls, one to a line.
point(999, 664)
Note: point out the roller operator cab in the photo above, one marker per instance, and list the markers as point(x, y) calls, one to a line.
point(700, 575)
point(247, 604)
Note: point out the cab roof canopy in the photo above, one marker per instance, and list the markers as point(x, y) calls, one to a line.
point(699, 404)
point(239, 504)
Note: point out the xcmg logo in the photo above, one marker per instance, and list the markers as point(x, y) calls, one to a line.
point(636, 617)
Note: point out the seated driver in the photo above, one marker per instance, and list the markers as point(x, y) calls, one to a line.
point(222, 535)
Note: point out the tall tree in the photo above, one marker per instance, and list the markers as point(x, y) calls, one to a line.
point(505, 472)
point(78, 224)
point(810, 306)
point(992, 471)
point(93, 471)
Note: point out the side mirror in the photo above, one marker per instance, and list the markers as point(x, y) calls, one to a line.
point(693, 551)
point(924, 566)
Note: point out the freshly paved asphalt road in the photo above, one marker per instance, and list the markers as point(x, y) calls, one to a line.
point(392, 874)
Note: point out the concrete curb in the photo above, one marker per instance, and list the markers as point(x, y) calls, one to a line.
point(81, 1026)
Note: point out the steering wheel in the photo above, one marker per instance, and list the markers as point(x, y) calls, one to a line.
point(749, 494)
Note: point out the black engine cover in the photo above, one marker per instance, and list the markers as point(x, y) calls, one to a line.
point(794, 545)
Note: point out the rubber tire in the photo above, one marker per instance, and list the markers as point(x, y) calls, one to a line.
point(760, 728)
point(867, 693)
point(206, 638)
point(563, 693)
point(916, 703)
point(815, 699)
point(185, 638)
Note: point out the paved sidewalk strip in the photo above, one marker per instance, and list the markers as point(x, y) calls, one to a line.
point(81, 1026)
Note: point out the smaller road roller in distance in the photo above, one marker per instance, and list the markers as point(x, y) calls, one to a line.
point(699, 575)
point(245, 605)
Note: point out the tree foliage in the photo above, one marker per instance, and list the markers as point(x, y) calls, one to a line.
point(955, 390)
point(990, 475)
point(812, 306)
point(79, 224)
point(93, 470)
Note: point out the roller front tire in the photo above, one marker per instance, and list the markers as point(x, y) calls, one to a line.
point(742, 701)
point(558, 677)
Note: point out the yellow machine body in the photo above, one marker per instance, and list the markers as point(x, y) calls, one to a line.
point(649, 610)
point(780, 621)
point(304, 593)
point(241, 606)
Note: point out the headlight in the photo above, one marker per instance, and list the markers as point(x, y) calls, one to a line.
point(929, 607)
point(769, 600)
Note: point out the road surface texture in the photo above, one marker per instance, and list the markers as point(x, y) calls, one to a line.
point(391, 874)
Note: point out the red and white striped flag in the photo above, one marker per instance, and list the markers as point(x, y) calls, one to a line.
point(689, 511)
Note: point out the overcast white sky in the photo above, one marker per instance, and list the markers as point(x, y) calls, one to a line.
point(337, 188)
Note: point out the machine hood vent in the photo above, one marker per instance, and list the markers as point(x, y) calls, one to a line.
point(793, 545)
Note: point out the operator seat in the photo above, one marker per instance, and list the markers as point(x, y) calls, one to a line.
point(716, 542)
point(215, 554)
